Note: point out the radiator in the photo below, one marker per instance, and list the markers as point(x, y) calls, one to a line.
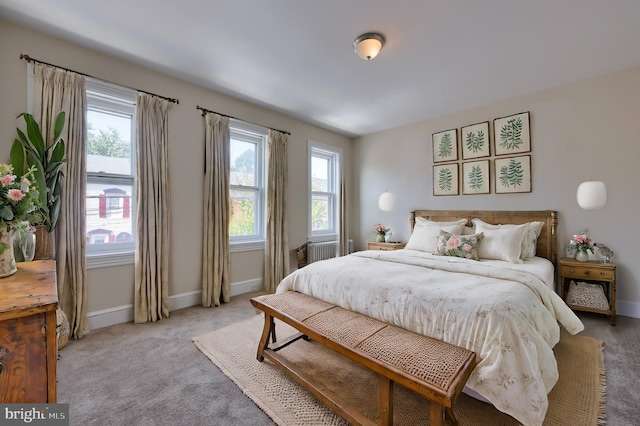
point(321, 251)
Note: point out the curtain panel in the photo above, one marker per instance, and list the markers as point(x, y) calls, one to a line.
point(277, 243)
point(216, 286)
point(151, 298)
point(60, 90)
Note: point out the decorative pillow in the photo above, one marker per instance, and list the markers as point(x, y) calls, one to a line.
point(465, 246)
point(503, 243)
point(529, 242)
point(426, 232)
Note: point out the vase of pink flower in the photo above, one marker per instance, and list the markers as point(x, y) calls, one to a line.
point(381, 232)
point(582, 244)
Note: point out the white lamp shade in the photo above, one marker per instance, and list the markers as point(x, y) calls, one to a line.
point(367, 46)
point(592, 195)
point(385, 201)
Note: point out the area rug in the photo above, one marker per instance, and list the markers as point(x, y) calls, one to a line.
point(578, 397)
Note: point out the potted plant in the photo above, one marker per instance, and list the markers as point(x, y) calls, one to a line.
point(48, 157)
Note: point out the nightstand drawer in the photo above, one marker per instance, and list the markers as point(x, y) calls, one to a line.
point(588, 273)
point(385, 246)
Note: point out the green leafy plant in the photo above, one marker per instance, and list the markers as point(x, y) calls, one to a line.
point(475, 178)
point(445, 148)
point(32, 150)
point(511, 134)
point(512, 174)
point(445, 180)
point(475, 141)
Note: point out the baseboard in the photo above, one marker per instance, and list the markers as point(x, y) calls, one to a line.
point(124, 313)
point(628, 309)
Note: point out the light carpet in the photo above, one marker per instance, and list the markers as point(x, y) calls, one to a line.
point(578, 397)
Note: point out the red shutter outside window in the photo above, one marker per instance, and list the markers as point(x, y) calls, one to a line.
point(102, 206)
point(126, 209)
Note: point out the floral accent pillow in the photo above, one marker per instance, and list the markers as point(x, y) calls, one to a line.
point(465, 246)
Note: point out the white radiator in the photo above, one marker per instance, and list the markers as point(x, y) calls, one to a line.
point(321, 251)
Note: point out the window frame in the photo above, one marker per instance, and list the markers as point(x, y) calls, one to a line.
point(251, 133)
point(113, 99)
point(334, 155)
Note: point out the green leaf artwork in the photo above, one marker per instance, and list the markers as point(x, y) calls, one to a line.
point(511, 134)
point(475, 141)
point(512, 174)
point(445, 180)
point(445, 148)
point(476, 179)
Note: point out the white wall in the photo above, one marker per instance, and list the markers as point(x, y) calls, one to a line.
point(110, 290)
point(583, 131)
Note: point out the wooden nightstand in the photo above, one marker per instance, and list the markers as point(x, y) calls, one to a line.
point(372, 245)
point(595, 272)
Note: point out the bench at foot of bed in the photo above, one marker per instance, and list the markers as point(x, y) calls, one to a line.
point(430, 367)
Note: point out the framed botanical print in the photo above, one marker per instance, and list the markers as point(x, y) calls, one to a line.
point(475, 140)
point(513, 174)
point(445, 179)
point(475, 177)
point(445, 146)
point(512, 135)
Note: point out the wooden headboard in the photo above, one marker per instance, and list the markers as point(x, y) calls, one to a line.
point(547, 246)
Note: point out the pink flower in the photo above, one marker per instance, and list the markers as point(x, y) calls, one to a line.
point(466, 247)
point(453, 243)
point(15, 194)
point(7, 180)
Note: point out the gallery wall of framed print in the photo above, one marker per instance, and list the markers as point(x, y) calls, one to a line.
point(445, 146)
point(475, 177)
point(475, 140)
point(445, 179)
point(513, 174)
point(511, 134)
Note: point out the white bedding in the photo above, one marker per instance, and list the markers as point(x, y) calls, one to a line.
point(506, 313)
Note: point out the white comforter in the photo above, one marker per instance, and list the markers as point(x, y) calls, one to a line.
point(508, 317)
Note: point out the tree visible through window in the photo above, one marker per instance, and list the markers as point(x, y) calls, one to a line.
point(246, 182)
point(324, 175)
point(110, 168)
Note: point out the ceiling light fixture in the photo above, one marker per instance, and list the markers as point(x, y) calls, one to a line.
point(368, 45)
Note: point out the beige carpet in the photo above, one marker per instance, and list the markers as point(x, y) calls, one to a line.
point(578, 398)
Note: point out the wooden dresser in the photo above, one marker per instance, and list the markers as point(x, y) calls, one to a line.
point(28, 303)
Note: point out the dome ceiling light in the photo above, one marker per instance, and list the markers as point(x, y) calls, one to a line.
point(368, 45)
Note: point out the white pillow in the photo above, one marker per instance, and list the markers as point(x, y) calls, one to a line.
point(528, 246)
point(426, 233)
point(503, 243)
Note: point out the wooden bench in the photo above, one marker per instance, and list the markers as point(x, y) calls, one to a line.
point(430, 367)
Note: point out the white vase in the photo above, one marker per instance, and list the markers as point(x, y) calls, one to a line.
point(387, 236)
point(582, 256)
point(7, 261)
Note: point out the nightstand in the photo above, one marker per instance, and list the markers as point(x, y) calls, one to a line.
point(385, 246)
point(593, 272)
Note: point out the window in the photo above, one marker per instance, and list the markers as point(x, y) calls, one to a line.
point(324, 191)
point(110, 212)
point(246, 184)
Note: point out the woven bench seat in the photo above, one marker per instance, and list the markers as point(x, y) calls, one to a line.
point(430, 367)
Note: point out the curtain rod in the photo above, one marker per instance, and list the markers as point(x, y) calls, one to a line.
point(30, 59)
point(205, 111)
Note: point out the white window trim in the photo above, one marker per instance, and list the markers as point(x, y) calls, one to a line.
point(123, 254)
point(253, 242)
point(336, 154)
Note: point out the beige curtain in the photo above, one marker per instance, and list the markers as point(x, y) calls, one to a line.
point(276, 263)
point(344, 228)
point(59, 90)
point(152, 209)
point(216, 285)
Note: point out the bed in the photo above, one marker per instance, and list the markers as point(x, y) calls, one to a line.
point(503, 308)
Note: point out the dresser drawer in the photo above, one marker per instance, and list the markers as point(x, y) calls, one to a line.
point(588, 273)
point(23, 356)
